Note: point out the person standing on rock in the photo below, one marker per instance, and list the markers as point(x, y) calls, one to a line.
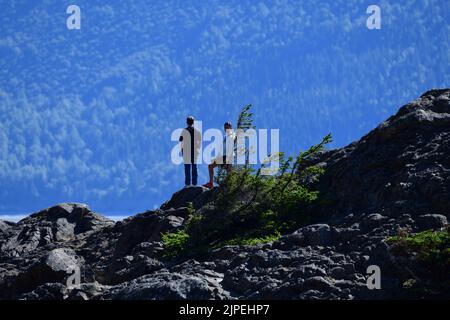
point(190, 139)
point(225, 158)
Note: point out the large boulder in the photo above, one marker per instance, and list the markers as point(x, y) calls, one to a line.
point(198, 196)
point(5, 225)
point(57, 224)
point(145, 227)
point(431, 221)
point(167, 286)
point(372, 221)
point(55, 267)
point(319, 235)
point(130, 267)
point(47, 291)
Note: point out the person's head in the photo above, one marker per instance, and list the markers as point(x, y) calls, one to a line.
point(227, 126)
point(190, 121)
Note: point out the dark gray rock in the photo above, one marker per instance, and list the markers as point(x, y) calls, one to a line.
point(172, 286)
point(182, 197)
point(317, 283)
point(150, 249)
point(345, 235)
point(308, 271)
point(130, 267)
point(56, 224)
point(318, 235)
point(294, 239)
point(5, 225)
point(372, 222)
point(338, 273)
point(182, 212)
point(86, 291)
point(259, 259)
point(225, 253)
point(54, 267)
point(348, 268)
point(431, 221)
point(400, 167)
point(77, 295)
point(47, 291)
point(145, 227)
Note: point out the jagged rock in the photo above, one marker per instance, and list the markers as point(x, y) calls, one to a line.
point(145, 227)
point(59, 223)
point(309, 270)
point(162, 286)
point(372, 221)
point(317, 283)
point(198, 196)
point(182, 197)
point(294, 239)
point(54, 267)
point(61, 260)
point(77, 295)
point(86, 291)
point(337, 273)
point(5, 225)
point(149, 249)
point(346, 235)
point(47, 291)
point(182, 212)
point(431, 221)
point(400, 167)
point(130, 267)
point(318, 235)
point(225, 253)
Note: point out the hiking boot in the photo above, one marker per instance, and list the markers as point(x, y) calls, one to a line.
point(208, 185)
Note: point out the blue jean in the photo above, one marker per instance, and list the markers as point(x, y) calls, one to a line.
point(187, 174)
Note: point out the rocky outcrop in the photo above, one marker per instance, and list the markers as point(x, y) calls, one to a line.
point(58, 224)
point(401, 167)
point(396, 177)
point(5, 225)
point(168, 285)
point(195, 196)
point(41, 248)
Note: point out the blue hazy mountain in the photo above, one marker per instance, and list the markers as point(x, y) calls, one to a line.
point(86, 115)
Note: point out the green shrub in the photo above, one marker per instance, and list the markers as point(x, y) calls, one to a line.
point(430, 246)
point(175, 242)
point(429, 256)
point(251, 241)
